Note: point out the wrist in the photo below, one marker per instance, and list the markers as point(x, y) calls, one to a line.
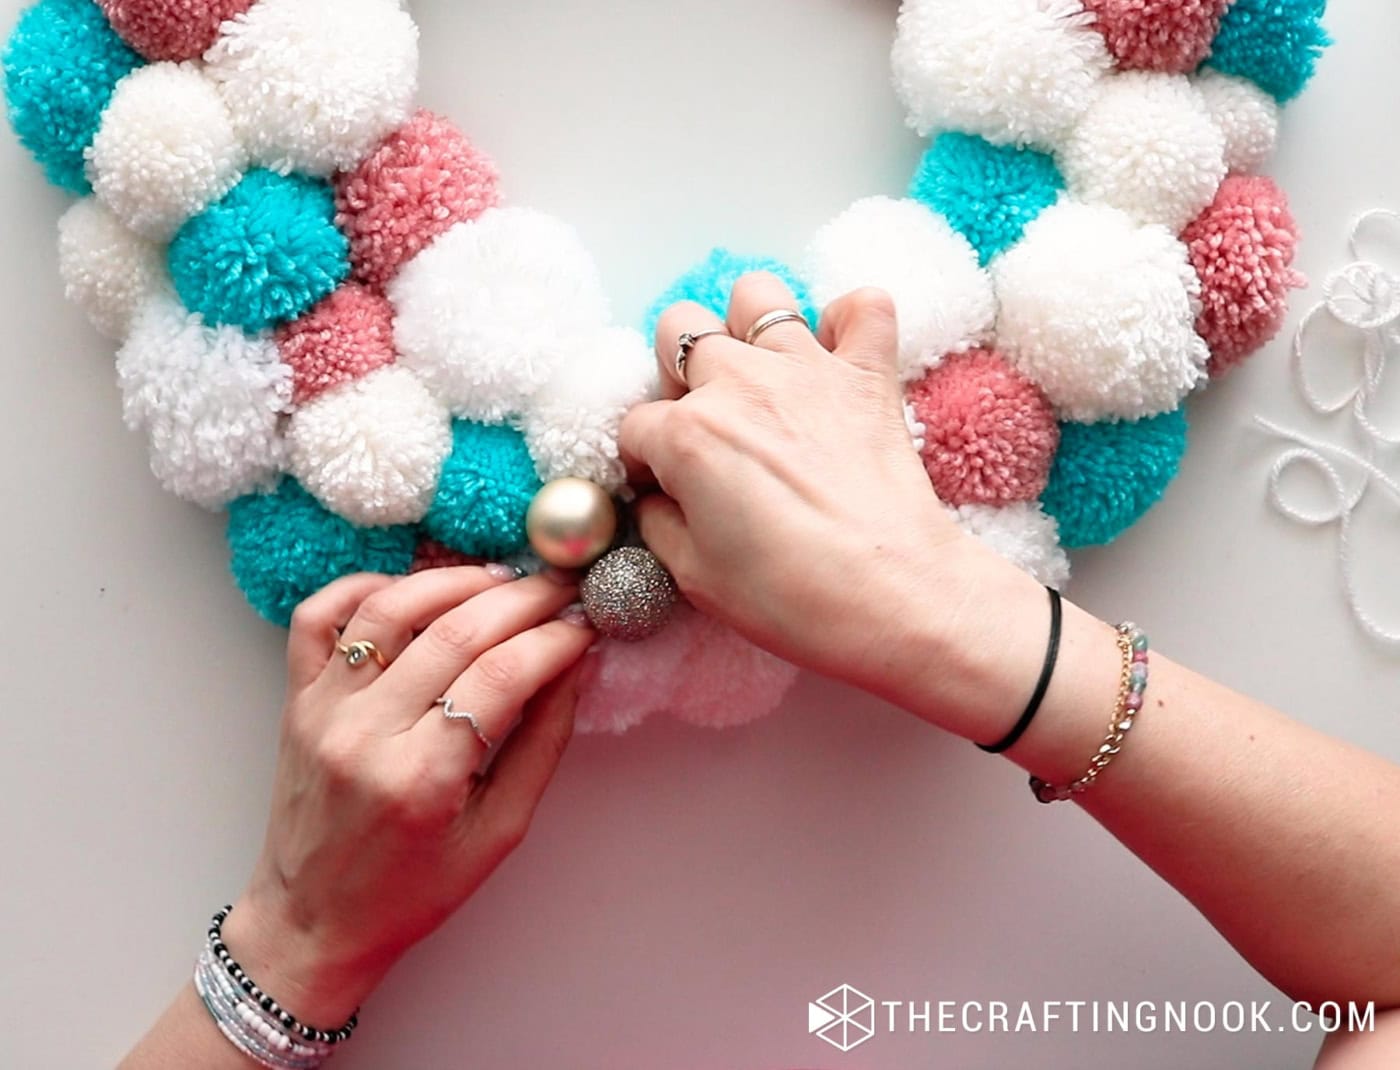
point(296, 965)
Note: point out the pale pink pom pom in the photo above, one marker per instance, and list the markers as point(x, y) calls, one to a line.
point(696, 669)
point(990, 434)
point(345, 337)
point(1242, 248)
point(1158, 35)
point(421, 181)
point(170, 29)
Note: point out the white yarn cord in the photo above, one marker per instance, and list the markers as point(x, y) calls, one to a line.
point(1365, 298)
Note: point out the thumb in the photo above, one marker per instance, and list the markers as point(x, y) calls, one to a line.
point(863, 328)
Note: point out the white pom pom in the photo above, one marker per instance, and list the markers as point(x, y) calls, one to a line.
point(1015, 71)
point(108, 271)
point(944, 298)
point(314, 85)
point(1247, 117)
point(1101, 313)
point(210, 401)
point(1149, 147)
point(371, 450)
point(485, 312)
point(1021, 533)
point(573, 423)
point(166, 149)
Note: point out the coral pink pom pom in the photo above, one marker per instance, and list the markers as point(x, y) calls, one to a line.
point(345, 337)
point(1242, 247)
point(990, 434)
point(170, 29)
point(431, 555)
point(422, 180)
point(1158, 35)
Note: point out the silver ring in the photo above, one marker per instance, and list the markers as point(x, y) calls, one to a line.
point(685, 343)
point(772, 319)
point(453, 714)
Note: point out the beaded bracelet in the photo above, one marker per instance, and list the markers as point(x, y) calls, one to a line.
point(252, 1020)
point(1132, 643)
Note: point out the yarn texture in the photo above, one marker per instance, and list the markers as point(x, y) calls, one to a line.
point(107, 271)
point(710, 283)
point(1173, 36)
point(263, 255)
point(1247, 117)
point(1023, 534)
point(484, 492)
point(285, 546)
point(1274, 43)
point(988, 193)
point(345, 337)
point(1107, 475)
point(62, 63)
point(170, 29)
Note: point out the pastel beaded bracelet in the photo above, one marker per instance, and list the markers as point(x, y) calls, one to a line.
point(1132, 642)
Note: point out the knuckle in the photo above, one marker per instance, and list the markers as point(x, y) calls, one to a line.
point(308, 619)
point(380, 611)
point(500, 672)
point(872, 301)
point(337, 755)
point(456, 635)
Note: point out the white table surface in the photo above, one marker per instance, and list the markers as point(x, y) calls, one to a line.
point(684, 893)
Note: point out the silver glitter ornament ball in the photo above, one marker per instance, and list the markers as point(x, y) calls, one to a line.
point(629, 595)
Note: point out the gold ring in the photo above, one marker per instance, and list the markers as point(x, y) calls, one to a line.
point(357, 655)
point(772, 319)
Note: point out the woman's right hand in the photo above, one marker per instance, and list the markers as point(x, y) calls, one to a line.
point(796, 510)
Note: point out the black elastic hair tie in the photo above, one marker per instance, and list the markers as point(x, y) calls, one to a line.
point(1052, 656)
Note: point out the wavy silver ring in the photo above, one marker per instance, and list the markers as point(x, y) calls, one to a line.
point(451, 712)
point(687, 342)
point(772, 319)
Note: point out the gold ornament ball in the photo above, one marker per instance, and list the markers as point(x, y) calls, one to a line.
point(629, 595)
point(571, 523)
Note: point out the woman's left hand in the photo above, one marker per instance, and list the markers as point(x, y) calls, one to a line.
point(380, 825)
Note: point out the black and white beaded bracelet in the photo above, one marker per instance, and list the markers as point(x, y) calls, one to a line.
point(273, 1012)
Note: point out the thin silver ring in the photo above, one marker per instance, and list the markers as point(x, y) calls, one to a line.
point(772, 319)
point(451, 712)
point(687, 342)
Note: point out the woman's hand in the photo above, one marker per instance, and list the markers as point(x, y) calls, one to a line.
point(380, 826)
point(797, 510)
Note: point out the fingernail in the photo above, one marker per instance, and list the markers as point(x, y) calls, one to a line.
point(504, 573)
point(575, 615)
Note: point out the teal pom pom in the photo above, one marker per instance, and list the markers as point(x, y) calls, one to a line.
point(1107, 475)
point(988, 193)
point(263, 255)
point(710, 283)
point(61, 65)
point(484, 492)
point(1274, 43)
point(286, 546)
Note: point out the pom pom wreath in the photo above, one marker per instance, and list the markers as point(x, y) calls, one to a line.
point(345, 337)
point(484, 314)
point(944, 298)
point(1015, 71)
point(210, 400)
point(1101, 313)
point(1147, 146)
point(1106, 476)
point(1273, 43)
point(171, 29)
point(989, 193)
point(989, 433)
point(108, 271)
point(314, 85)
point(62, 63)
point(574, 422)
point(711, 282)
point(421, 181)
point(430, 555)
point(286, 546)
point(484, 492)
point(166, 149)
point(1247, 116)
point(1023, 534)
point(1242, 248)
point(695, 668)
point(371, 450)
point(1158, 35)
point(262, 255)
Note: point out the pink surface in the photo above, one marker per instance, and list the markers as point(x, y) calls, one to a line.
point(345, 337)
point(1159, 35)
point(171, 29)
